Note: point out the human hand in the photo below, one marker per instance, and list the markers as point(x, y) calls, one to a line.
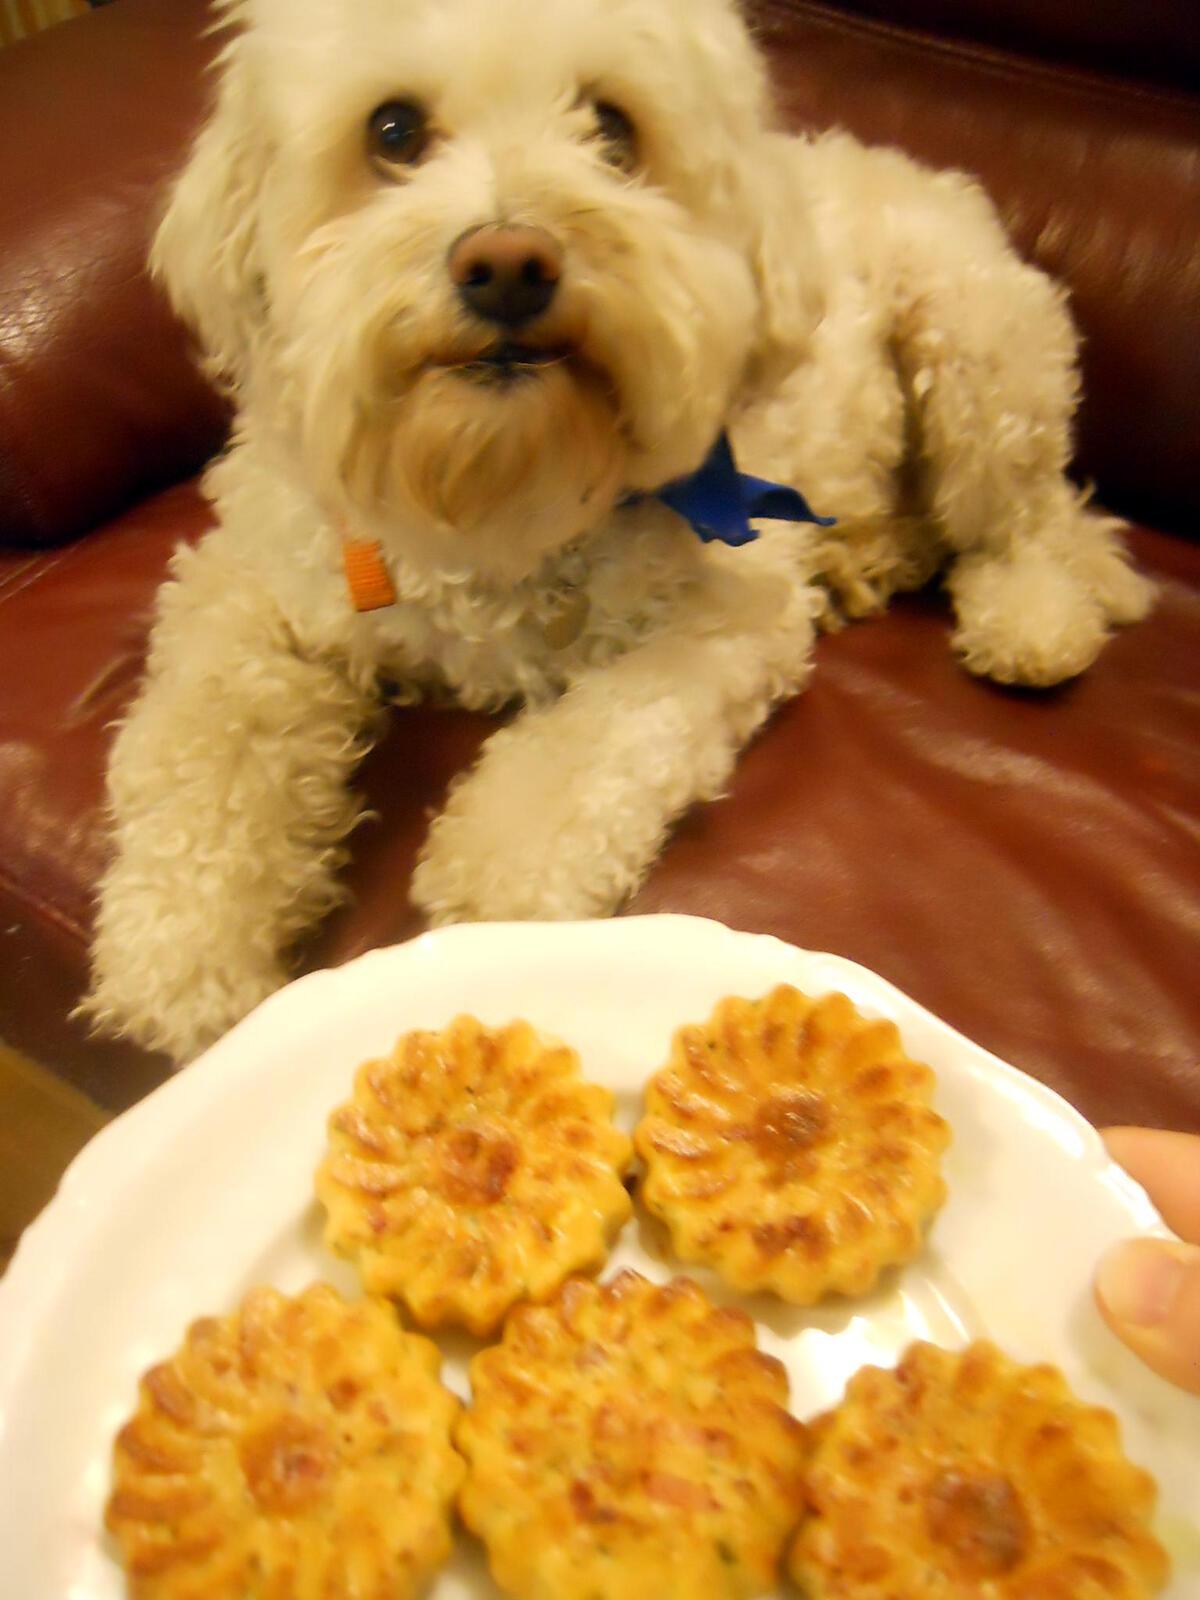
point(1148, 1290)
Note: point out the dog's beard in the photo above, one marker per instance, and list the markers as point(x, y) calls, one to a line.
point(413, 421)
point(501, 464)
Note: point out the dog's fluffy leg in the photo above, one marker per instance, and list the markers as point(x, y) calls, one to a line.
point(988, 352)
point(568, 807)
point(227, 794)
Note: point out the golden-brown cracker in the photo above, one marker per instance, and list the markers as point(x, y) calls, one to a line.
point(300, 1447)
point(967, 1477)
point(630, 1442)
point(790, 1144)
point(471, 1169)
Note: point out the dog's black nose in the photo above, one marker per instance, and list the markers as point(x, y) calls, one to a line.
point(506, 275)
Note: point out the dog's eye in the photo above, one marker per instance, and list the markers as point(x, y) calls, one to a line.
point(397, 134)
point(617, 134)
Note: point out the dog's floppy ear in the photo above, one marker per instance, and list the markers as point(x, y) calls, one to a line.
point(206, 247)
point(785, 256)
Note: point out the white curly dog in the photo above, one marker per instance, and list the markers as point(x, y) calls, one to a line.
point(482, 276)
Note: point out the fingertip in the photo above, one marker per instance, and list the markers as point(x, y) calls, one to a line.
point(1148, 1292)
point(1167, 1165)
point(1138, 1282)
point(1123, 1142)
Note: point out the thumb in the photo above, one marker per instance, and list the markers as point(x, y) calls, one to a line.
point(1148, 1291)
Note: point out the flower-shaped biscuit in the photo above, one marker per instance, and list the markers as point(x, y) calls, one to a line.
point(967, 1477)
point(790, 1144)
point(629, 1442)
point(471, 1169)
point(298, 1447)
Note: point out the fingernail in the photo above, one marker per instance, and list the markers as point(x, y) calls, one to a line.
point(1138, 1281)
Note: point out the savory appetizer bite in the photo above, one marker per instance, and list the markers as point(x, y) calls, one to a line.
point(298, 1447)
point(472, 1169)
point(630, 1442)
point(967, 1477)
point(790, 1144)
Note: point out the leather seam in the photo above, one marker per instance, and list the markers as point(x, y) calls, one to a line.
point(42, 567)
point(1089, 83)
point(43, 908)
point(23, 480)
point(18, 569)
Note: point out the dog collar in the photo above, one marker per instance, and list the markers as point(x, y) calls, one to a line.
point(719, 501)
point(367, 577)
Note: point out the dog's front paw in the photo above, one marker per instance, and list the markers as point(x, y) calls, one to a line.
point(179, 1018)
point(169, 979)
point(179, 1014)
point(470, 872)
point(509, 848)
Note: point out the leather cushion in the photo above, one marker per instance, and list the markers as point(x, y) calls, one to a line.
point(100, 399)
point(1159, 42)
point(1026, 865)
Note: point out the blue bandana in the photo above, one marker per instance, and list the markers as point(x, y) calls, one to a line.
point(719, 501)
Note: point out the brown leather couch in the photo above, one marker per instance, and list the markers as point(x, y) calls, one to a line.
point(1027, 865)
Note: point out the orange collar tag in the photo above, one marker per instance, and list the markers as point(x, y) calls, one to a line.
point(367, 577)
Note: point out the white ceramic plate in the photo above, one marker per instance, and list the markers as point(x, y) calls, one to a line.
point(205, 1189)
